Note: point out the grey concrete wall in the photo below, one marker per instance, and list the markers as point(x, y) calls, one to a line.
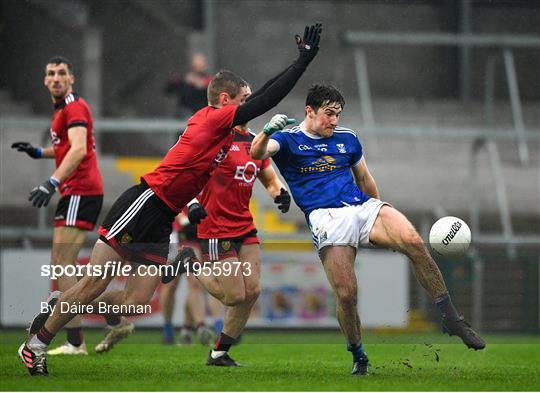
point(255, 39)
point(264, 44)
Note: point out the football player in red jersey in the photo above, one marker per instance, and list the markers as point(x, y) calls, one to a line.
point(76, 177)
point(139, 224)
point(229, 238)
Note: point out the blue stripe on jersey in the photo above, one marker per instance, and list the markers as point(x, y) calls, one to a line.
point(317, 170)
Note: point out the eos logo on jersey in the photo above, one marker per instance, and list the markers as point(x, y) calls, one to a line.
point(247, 173)
point(55, 140)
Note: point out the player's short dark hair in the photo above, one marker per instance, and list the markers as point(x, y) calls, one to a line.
point(224, 82)
point(322, 95)
point(61, 60)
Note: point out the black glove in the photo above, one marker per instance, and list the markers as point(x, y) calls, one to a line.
point(283, 201)
point(196, 213)
point(34, 152)
point(41, 195)
point(308, 46)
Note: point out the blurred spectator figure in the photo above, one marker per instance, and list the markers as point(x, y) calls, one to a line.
point(190, 89)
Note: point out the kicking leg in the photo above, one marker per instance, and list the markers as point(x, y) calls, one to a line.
point(392, 229)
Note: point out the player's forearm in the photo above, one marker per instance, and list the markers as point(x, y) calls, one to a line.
point(274, 187)
point(48, 152)
point(259, 147)
point(71, 161)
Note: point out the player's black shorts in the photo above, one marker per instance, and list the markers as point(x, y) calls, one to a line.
point(139, 226)
point(78, 211)
point(219, 249)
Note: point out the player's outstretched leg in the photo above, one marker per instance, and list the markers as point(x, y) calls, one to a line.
point(392, 229)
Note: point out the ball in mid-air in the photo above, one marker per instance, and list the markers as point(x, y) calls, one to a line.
point(450, 236)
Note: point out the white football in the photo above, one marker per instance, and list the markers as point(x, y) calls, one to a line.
point(450, 236)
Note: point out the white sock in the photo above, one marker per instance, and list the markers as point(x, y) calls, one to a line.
point(217, 354)
point(36, 342)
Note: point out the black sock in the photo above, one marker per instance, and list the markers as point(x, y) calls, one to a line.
point(447, 309)
point(74, 336)
point(112, 319)
point(45, 336)
point(224, 343)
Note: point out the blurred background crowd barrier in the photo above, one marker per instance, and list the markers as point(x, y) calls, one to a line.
point(444, 95)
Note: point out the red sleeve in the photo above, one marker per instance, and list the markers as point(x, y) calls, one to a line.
point(76, 115)
point(222, 118)
point(265, 163)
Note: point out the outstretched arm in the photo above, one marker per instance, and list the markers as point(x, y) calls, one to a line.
point(364, 180)
point(34, 152)
point(272, 93)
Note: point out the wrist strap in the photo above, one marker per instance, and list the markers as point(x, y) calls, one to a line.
point(39, 152)
point(54, 181)
point(193, 201)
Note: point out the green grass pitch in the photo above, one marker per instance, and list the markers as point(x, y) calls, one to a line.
point(286, 362)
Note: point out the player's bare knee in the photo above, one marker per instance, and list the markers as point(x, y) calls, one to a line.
point(346, 295)
point(411, 240)
point(234, 299)
point(253, 293)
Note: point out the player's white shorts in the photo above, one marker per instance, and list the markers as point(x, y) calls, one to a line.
point(344, 226)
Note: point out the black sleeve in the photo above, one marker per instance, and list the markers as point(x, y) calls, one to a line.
point(271, 96)
point(267, 84)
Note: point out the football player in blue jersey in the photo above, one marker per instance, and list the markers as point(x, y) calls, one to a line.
point(329, 179)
